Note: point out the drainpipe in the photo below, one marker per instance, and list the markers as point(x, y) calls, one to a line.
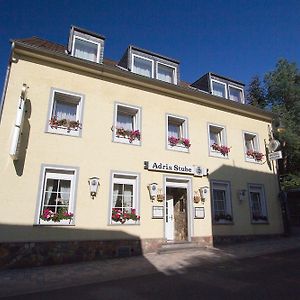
point(6, 80)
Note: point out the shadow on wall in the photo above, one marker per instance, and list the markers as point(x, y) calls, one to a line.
point(239, 179)
point(80, 245)
point(22, 148)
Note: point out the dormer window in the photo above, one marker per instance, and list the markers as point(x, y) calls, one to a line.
point(142, 66)
point(236, 94)
point(166, 73)
point(219, 88)
point(86, 45)
point(151, 65)
point(86, 49)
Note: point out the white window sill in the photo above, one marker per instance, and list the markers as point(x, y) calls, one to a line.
point(252, 160)
point(125, 140)
point(218, 154)
point(129, 222)
point(178, 148)
point(64, 131)
point(51, 223)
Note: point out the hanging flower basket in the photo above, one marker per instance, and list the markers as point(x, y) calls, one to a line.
point(129, 134)
point(174, 141)
point(64, 123)
point(255, 154)
point(224, 150)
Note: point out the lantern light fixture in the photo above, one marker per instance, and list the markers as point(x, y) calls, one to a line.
point(94, 184)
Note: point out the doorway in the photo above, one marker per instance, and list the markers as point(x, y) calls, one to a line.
point(177, 210)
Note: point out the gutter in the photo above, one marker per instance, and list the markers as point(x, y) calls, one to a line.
point(6, 80)
point(185, 94)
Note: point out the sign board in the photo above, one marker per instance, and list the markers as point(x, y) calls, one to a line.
point(275, 155)
point(175, 168)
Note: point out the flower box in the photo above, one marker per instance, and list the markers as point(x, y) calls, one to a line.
point(174, 141)
point(224, 150)
point(61, 214)
point(255, 154)
point(118, 215)
point(259, 218)
point(65, 123)
point(131, 135)
point(224, 217)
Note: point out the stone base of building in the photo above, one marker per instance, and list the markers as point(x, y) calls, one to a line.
point(230, 239)
point(33, 254)
point(203, 240)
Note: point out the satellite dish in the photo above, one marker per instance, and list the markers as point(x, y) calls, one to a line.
point(273, 145)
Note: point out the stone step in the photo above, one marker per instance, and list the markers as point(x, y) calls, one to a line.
point(179, 246)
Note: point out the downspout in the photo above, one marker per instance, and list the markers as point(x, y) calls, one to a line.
point(6, 80)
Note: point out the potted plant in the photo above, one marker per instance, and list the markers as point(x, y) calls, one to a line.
point(61, 214)
point(258, 156)
point(118, 215)
point(224, 150)
point(64, 123)
point(174, 141)
point(131, 135)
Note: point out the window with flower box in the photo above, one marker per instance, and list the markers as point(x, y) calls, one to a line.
point(257, 203)
point(65, 113)
point(251, 147)
point(221, 202)
point(217, 141)
point(177, 134)
point(127, 124)
point(57, 196)
point(124, 201)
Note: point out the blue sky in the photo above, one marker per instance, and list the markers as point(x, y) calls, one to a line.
point(237, 39)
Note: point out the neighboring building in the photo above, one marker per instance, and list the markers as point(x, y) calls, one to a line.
point(174, 162)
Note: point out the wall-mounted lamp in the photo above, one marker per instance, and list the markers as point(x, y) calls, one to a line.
point(242, 195)
point(153, 189)
point(93, 183)
point(204, 191)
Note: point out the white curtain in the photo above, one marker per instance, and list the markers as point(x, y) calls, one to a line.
point(128, 193)
point(218, 89)
point(173, 130)
point(165, 73)
point(235, 94)
point(64, 191)
point(214, 138)
point(117, 195)
point(124, 121)
point(64, 110)
point(85, 50)
point(249, 145)
point(142, 67)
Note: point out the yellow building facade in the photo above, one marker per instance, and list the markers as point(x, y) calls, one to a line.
point(122, 160)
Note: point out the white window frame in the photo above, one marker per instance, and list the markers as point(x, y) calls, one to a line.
point(255, 146)
point(237, 88)
point(174, 79)
point(136, 123)
point(63, 173)
point(220, 82)
point(145, 58)
point(125, 178)
point(79, 112)
point(228, 204)
point(222, 137)
point(89, 41)
point(183, 128)
point(253, 187)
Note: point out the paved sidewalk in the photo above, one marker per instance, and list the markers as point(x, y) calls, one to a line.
point(23, 281)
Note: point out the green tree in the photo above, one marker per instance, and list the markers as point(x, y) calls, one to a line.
point(255, 94)
point(282, 87)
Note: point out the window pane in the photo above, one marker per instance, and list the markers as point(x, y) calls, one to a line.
point(142, 66)
point(218, 89)
point(256, 203)
point(165, 73)
point(128, 194)
point(64, 110)
point(235, 94)
point(117, 195)
point(85, 50)
point(125, 121)
point(173, 130)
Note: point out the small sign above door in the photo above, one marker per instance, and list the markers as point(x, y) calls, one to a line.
point(175, 168)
